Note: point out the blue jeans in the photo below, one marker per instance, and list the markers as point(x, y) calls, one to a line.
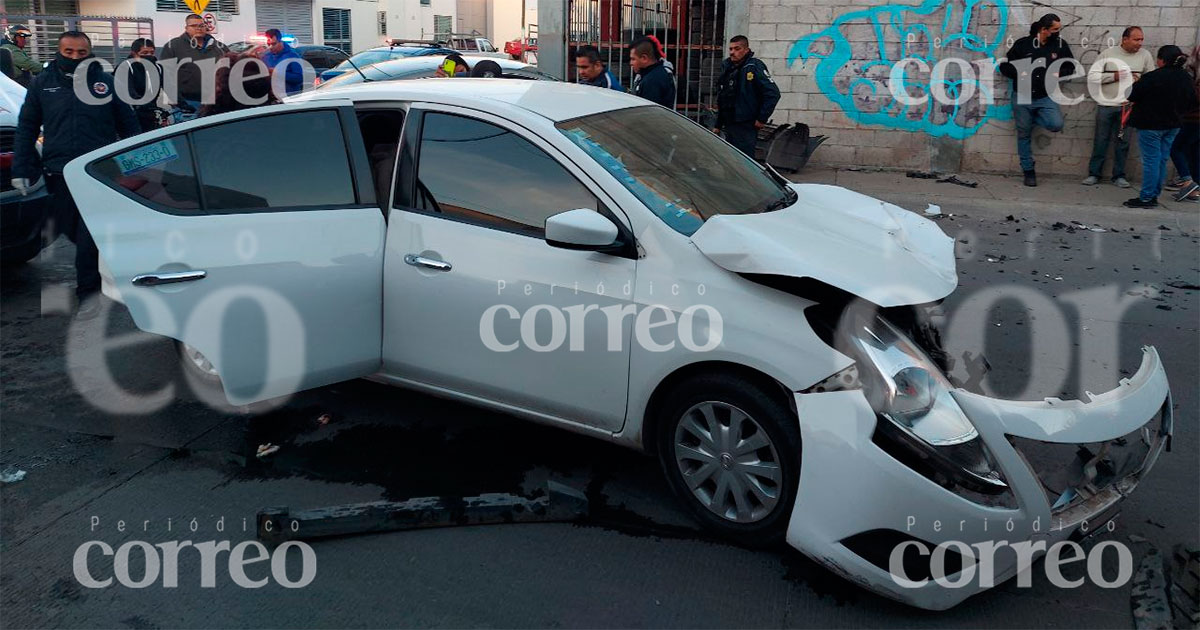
point(1185, 151)
point(1042, 112)
point(1156, 148)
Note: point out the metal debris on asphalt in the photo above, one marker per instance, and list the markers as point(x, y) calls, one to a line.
point(556, 503)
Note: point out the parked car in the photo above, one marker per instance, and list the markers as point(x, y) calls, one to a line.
point(321, 58)
point(472, 44)
point(22, 217)
point(426, 67)
point(366, 58)
point(585, 259)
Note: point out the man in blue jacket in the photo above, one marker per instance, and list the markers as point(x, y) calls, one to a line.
point(653, 81)
point(277, 52)
point(746, 96)
point(71, 128)
point(590, 69)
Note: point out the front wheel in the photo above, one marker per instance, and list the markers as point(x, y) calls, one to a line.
point(731, 452)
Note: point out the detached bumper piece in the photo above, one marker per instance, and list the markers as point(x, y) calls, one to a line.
point(1067, 465)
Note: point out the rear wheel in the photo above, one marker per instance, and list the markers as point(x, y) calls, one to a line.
point(731, 452)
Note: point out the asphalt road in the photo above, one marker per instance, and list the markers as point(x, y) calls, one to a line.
point(637, 561)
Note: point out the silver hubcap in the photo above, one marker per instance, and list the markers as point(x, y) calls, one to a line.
point(198, 360)
point(728, 461)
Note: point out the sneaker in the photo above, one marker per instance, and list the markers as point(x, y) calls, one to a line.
point(1138, 202)
point(1030, 178)
point(1120, 182)
point(1177, 184)
point(1193, 198)
point(1090, 180)
point(1186, 191)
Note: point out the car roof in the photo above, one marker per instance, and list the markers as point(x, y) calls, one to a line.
point(554, 100)
point(405, 64)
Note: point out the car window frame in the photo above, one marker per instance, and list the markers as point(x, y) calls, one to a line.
point(358, 161)
point(408, 164)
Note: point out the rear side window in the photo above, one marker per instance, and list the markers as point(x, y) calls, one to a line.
point(160, 173)
point(283, 161)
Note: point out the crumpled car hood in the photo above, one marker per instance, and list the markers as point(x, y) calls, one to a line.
point(875, 250)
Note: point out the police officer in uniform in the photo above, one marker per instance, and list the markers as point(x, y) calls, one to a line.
point(652, 80)
point(72, 127)
point(746, 96)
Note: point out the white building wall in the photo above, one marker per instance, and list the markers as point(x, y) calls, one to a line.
point(409, 19)
point(364, 24)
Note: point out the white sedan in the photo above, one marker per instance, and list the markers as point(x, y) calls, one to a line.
point(584, 259)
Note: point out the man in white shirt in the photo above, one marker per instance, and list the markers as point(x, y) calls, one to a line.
point(1124, 63)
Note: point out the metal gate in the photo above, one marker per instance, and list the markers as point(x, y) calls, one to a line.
point(293, 17)
point(692, 33)
point(111, 37)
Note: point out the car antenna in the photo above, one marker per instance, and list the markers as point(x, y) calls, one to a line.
point(352, 64)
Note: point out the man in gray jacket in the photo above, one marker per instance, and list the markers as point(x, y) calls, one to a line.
point(193, 47)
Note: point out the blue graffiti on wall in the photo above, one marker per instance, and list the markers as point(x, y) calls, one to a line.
point(857, 84)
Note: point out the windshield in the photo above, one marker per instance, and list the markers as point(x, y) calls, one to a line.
point(682, 172)
point(367, 58)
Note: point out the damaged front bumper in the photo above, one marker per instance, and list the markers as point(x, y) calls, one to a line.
point(857, 501)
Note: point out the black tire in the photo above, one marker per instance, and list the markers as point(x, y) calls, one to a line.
point(768, 412)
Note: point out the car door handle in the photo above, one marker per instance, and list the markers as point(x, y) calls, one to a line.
point(421, 261)
point(155, 279)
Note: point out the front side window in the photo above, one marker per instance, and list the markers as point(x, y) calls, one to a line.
point(472, 171)
point(159, 173)
point(683, 173)
point(297, 160)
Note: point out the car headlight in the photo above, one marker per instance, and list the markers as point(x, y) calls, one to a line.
point(905, 387)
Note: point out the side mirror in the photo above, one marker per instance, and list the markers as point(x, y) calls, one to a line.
point(580, 229)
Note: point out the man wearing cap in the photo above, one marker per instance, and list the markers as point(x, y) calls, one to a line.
point(23, 66)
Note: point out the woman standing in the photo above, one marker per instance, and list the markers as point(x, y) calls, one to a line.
point(1185, 151)
point(1160, 100)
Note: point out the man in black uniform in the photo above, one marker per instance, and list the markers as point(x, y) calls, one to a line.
point(652, 80)
point(72, 128)
point(746, 96)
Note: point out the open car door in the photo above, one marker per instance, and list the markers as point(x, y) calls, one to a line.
point(253, 237)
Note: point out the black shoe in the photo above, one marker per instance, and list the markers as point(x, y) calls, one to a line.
point(1138, 202)
point(1030, 178)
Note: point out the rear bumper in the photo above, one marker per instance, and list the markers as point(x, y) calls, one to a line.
point(851, 489)
point(21, 221)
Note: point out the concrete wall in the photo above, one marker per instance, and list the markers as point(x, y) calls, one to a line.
point(505, 22)
point(832, 59)
point(410, 19)
point(472, 16)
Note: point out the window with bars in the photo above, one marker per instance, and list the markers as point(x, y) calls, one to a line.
point(214, 6)
point(383, 22)
point(442, 25)
point(336, 23)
